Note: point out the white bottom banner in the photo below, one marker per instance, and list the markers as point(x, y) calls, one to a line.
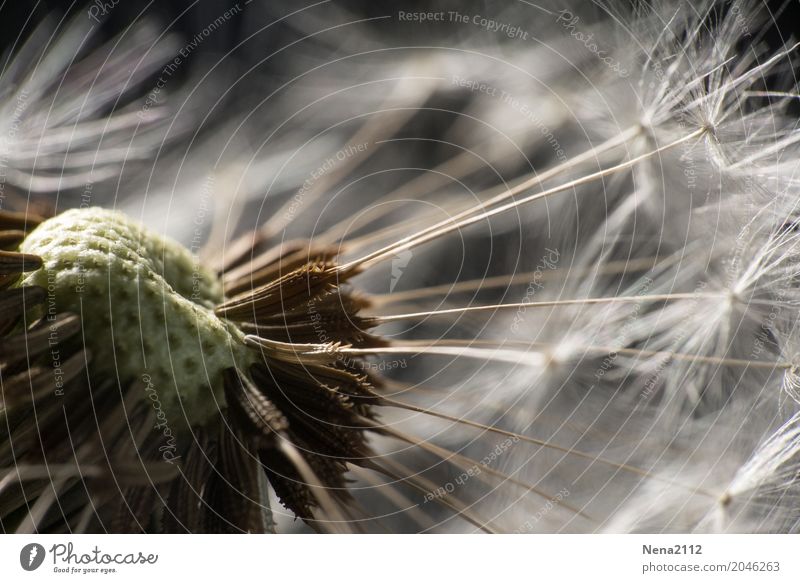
point(353, 559)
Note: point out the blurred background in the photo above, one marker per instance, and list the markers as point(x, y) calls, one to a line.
point(317, 120)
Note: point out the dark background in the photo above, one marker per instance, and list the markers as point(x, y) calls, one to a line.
point(17, 18)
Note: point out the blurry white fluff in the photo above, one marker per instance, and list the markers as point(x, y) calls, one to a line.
point(669, 405)
point(685, 390)
point(65, 114)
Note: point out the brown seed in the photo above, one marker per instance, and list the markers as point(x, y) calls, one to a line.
point(12, 262)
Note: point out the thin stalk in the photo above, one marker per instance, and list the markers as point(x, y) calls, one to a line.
point(376, 320)
point(468, 217)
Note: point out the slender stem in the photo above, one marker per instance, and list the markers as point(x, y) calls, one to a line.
point(510, 356)
point(421, 484)
point(458, 221)
point(520, 305)
point(465, 462)
point(544, 444)
point(424, 345)
point(509, 280)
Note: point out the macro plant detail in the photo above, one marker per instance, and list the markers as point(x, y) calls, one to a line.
point(78, 260)
point(575, 312)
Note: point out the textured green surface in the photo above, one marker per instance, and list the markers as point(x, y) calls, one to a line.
point(145, 304)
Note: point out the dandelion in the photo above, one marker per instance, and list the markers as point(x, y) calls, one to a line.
point(633, 368)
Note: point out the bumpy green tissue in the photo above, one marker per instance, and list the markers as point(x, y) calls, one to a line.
point(146, 307)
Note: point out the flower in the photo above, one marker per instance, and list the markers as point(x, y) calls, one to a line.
point(625, 362)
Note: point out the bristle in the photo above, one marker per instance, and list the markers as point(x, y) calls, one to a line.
point(293, 290)
point(546, 286)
